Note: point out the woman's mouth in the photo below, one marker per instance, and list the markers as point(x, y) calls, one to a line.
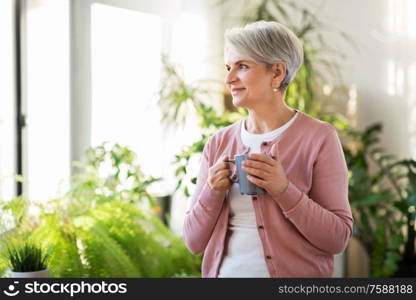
point(235, 91)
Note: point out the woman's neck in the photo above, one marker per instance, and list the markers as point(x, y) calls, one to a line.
point(259, 122)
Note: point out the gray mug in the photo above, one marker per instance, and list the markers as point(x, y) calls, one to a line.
point(246, 186)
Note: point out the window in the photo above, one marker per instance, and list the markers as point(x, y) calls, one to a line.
point(87, 80)
point(46, 98)
point(7, 101)
point(125, 74)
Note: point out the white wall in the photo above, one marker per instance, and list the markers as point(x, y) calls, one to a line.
point(381, 65)
point(384, 66)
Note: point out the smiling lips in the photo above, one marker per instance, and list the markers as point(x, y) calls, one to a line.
point(236, 90)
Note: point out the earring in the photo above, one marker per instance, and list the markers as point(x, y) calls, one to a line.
point(275, 90)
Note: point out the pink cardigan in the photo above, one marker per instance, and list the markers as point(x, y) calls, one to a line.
point(303, 228)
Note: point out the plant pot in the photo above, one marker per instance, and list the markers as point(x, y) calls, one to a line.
point(35, 274)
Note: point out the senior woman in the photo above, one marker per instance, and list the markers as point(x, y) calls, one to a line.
point(303, 219)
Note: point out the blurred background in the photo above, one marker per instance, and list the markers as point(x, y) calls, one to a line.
point(105, 106)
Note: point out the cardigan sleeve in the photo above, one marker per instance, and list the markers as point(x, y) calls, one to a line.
point(323, 216)
point(205, 208)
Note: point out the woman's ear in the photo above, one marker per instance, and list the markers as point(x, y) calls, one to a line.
point(279, 73)
point(279, 70)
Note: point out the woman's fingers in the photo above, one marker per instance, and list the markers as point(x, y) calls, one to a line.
point(252, 164)
point(222, 174)
point(221, 166)
point(219, 174)
point(262, 158)
point(256, 172)
point(224, 182)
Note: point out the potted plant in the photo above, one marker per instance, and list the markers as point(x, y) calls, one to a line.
point(27, 260)
point(384, 205)
point(375, 217)
point(104, 226)
point(406, 207)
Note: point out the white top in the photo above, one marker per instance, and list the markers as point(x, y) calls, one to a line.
point(244, 255)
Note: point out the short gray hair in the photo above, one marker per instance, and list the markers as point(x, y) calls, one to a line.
point(269, 43)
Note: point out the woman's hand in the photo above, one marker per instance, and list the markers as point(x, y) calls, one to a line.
point(218, 175)
point(269, 171)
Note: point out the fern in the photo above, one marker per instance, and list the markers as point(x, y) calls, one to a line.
point(114, 239)
point(101, 228)
point(60, 239)
point(105, 257)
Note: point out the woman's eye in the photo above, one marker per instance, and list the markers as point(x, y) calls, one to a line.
point(241, 66)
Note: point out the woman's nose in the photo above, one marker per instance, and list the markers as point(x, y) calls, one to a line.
point(230, 77)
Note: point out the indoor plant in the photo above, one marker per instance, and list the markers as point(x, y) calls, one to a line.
point(104, 226)
point(371, 199)
point(382, 193)
point(406, 207)
point(27, 260)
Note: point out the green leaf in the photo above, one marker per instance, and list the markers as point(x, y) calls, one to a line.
point(412, 200)
point(369, 200)
point(186, 192)
point(180, 170)
point(396, 240)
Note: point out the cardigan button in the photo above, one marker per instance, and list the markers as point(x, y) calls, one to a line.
point(268, 257)
point(254, 198)
point(264, 143)
point(261, 227)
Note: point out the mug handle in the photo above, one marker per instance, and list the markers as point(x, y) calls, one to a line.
point(234, 179)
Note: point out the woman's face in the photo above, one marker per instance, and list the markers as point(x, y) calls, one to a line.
point(250, 83)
